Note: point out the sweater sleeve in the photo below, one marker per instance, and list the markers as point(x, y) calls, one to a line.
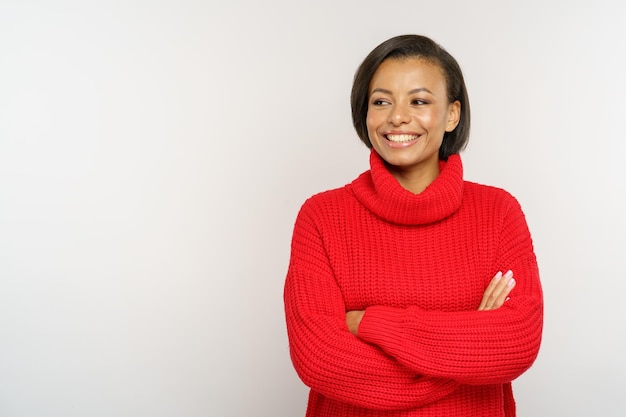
point(471, 347)
point(326, 356)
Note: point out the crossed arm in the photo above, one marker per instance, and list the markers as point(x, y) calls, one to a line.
point(495, 295)
point(406, 358)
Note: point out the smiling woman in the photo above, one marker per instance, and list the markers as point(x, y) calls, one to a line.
point(411, 292)
point(408, 115)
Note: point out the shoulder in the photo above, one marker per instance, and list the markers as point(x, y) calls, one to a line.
point(491, 197)
point(324, 213)
point(496, 206)
point(327, 202)
point(488, 191)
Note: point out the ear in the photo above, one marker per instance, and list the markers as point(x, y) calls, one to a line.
point(454, 116)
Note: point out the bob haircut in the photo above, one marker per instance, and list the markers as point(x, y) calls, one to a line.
point(406, 47)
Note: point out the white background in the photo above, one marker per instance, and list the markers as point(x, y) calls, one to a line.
point(154, 154)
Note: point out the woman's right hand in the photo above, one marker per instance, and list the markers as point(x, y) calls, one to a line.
point(497, 291)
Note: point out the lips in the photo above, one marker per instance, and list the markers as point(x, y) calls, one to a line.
point(401, 137)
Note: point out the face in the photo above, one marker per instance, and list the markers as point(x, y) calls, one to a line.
point(408, 114)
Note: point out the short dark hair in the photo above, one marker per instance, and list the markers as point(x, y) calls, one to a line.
point(405, 47)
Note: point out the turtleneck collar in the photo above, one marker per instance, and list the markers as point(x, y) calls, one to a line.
point(383, 195)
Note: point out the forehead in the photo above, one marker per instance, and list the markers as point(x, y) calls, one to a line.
point(413, 72)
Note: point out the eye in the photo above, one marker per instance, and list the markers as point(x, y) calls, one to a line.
point(379, 102)
point(418, 102)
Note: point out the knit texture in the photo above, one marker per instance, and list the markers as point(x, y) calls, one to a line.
point(418, 265)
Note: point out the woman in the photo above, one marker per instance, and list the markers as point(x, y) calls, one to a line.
point(411, 292)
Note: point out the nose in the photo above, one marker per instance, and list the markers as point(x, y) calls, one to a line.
point(399, 115)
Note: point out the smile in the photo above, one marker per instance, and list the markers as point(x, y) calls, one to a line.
point(401, 138)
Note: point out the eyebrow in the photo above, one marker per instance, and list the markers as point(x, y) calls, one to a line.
point(415, 90)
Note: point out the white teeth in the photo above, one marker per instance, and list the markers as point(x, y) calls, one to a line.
point(401, 138)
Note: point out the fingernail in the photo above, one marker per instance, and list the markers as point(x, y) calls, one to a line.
point(508, 274)
point(511, 282)
point(507, 299)
point(498, 276)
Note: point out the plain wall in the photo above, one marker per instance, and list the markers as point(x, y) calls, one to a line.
point(154, 154)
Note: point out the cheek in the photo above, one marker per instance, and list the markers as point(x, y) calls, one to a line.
point(374, 119)
point(370, 123)
point(433, 120)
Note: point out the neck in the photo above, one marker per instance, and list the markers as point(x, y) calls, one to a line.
point(413, 180)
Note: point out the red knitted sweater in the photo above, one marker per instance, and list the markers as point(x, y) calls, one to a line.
point(418, 264)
